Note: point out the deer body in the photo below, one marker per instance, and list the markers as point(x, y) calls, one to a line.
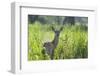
point(50, 46)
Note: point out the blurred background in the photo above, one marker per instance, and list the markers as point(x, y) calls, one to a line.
point(62, 20)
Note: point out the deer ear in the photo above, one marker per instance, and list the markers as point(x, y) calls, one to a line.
point(53, 28)
point(61, 28)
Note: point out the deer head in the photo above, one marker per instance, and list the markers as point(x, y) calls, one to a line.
point(57, 32)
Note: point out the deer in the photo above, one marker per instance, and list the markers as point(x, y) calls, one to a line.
point(50, 46)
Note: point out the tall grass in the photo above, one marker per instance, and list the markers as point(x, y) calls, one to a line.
point(73, 41)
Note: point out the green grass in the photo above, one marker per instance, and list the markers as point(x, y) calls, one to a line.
point(73, 41)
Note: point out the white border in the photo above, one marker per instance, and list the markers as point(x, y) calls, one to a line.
point(19, 38)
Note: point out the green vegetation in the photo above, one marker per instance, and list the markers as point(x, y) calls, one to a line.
point(73, 41)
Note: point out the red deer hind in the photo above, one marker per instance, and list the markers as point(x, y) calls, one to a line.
point(50, 46)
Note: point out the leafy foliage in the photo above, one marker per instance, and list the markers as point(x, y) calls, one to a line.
point(73, 41)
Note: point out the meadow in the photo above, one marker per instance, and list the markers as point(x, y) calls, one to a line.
point(73, 41)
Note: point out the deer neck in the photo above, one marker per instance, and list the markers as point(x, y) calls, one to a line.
point(56, 40)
